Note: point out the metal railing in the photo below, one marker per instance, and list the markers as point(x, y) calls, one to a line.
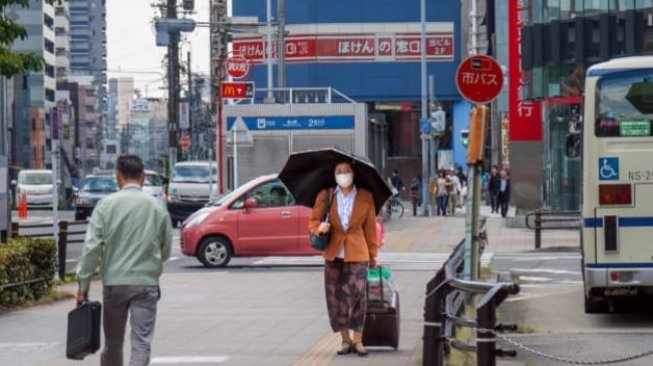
point(64, 235)
point(446, 295)
point(539, 220)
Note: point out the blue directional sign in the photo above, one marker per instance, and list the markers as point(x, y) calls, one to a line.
point(425, 126)
point(296, 123)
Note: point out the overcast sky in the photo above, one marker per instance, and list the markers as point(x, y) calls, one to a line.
point(132, 49)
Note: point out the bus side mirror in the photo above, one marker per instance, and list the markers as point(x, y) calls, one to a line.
point(572, 145)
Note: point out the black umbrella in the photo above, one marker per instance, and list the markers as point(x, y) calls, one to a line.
point(307, 173)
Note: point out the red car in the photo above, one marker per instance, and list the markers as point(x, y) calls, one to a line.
point(259, 218)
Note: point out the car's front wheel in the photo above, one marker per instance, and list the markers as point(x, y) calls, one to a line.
point(215, 252)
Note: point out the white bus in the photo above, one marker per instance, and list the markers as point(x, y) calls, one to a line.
point(617, 198)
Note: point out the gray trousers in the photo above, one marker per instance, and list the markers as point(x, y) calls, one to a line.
point(139, 302)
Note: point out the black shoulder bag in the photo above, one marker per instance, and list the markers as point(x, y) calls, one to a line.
point(320, 242)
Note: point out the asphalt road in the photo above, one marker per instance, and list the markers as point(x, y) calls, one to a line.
point(550, 309)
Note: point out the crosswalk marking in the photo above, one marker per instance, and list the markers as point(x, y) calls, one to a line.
point(394, 260)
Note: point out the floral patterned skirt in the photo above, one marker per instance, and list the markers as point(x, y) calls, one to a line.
point(346, 284)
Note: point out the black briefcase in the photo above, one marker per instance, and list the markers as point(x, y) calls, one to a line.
point(84, 324)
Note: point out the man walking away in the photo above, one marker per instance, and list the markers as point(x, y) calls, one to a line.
point(129, 237)
point(504, 193)
point(493, 188)
point(416, 193)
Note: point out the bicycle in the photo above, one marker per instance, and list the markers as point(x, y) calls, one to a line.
point(394, 206)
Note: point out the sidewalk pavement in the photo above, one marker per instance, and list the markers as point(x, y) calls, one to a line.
point(262, 316)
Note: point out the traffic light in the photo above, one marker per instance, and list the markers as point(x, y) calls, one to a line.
point(464, 137)
point(478, 131)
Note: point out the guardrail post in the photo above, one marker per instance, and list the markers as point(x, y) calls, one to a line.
point(433, 342)
point(63, 245)
point(15, 227)
point(538, 229)
point(486, 342)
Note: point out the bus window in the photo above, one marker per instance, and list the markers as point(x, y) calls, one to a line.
point(625, 107)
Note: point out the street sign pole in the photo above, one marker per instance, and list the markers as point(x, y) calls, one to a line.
point(235, 163)
point(480, 80)
point(425, 142)
point(54, 118)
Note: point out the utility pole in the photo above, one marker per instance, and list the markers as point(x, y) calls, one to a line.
point(268, 49)
point(425, 141)
point(190, 108)
point(219, 39)
point(434, 141)
point(281, 48)
point(173, 85)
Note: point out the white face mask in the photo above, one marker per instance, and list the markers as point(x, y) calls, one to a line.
point(345, 180)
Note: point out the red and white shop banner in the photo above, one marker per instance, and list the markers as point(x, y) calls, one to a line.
point(351, 48)
point(525, 115)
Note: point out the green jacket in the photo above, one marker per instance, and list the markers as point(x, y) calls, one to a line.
point(129, 237)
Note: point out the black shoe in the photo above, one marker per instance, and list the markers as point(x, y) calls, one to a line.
point(347, 348)
point(360, 350)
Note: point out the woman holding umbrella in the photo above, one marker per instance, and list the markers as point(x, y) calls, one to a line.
point(352, 247)
point(356, 194)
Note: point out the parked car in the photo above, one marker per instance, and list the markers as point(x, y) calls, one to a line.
point(37, 185)
point(260, 218)
point(93, 189)
point(189, 188)
point(154, 185)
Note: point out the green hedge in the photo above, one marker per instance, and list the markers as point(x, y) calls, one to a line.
point(23, 260)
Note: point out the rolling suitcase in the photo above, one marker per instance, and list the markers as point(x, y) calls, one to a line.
point(83, 330)
point(383, 312)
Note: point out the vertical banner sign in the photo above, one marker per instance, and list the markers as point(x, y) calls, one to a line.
point(183, 115)
point(55, 123)
point(525, 116)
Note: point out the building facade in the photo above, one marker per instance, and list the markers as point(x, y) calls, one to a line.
point(35, 90)
point(552, 44)
point(369, 50)
point(146, 132)
point(84, 98)
point(88, 53)
point(62, 39)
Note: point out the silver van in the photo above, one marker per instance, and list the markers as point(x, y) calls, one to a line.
point(190, 188)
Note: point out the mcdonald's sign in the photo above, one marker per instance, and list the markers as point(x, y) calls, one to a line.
point(237, 90)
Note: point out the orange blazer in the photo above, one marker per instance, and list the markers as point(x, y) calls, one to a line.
point(360, 239)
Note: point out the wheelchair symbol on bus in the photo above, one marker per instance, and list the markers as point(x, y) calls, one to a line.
point(608, 168)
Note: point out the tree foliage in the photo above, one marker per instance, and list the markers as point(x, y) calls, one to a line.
point(12, 63)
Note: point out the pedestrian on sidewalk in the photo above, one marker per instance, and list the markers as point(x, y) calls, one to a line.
point(444, 185)
point(129, 236)
point(504, 192)
point(494, 183)
point(485, 180)
point(416, 193)
point(433, 196)
point(351, 250)
point(454, 193)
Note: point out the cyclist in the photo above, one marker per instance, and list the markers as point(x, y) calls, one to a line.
point(396, 181)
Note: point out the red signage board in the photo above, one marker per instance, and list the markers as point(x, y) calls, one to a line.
point(184, 142)
point(525, 116)
point(237, 90)
point(479, 79)
point(237, 67)
point(351, 48)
